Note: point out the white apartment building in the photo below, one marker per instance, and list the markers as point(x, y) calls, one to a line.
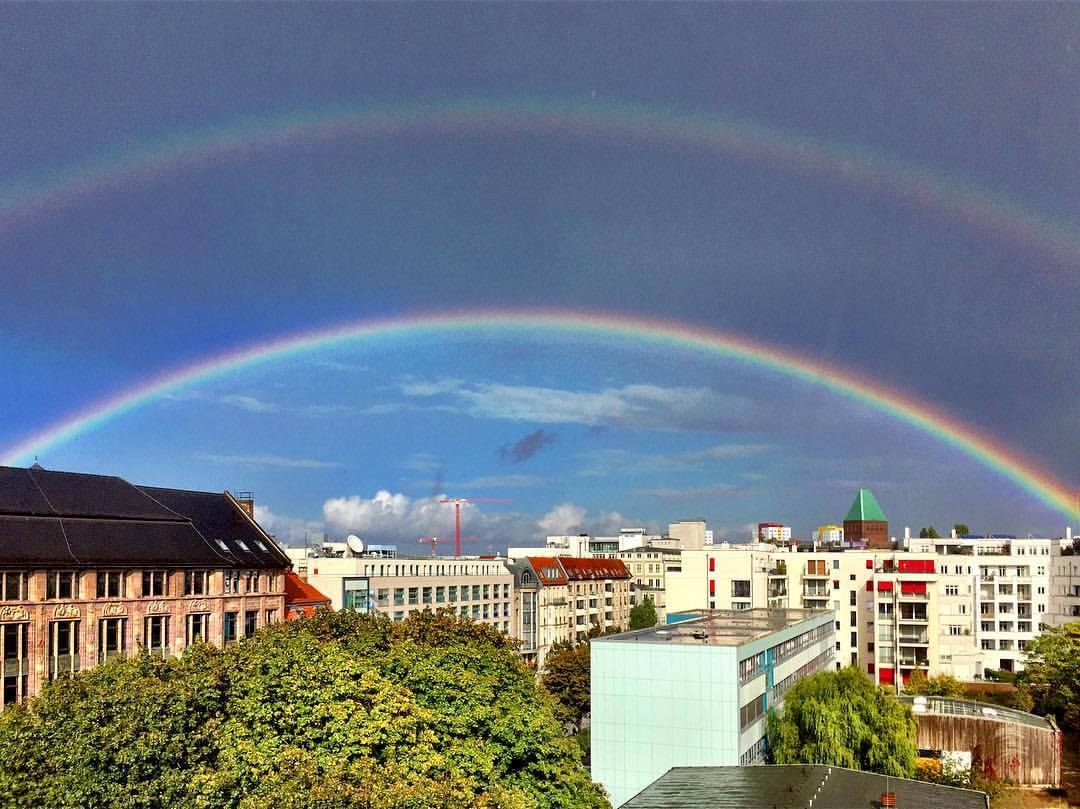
point(481, 589)
point(952, 606)
point(1065, 581)
point(774, 533)
point(648, 566)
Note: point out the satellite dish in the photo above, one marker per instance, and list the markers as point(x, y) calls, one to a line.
point(356, 545)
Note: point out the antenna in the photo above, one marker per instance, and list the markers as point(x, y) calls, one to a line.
point(355, 544)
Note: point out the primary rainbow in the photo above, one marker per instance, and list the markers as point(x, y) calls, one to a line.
point(998, 218)
point(676, 334)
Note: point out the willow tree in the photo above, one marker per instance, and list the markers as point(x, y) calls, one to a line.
point(841, 718)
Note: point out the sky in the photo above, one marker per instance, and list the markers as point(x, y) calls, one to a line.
point(550, 196)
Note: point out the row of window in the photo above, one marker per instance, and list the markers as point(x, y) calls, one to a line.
point(66, 584)
point(751, 712)
point(428, 569)
point(63, 642)
point(444, 594)
point(792, 647)
point(819, 663)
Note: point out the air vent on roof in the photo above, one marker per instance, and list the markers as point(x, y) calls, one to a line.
point(700, 634)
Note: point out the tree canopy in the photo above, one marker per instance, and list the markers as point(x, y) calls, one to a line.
point(338, 710)
point(928, 533)
point(941, 685)
point(842, 718)
point(567, 673)
point(1052, 672)
point(961, 528)
point(643, 615)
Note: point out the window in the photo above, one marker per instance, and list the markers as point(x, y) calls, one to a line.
point(63, 648)
point(14, 638)
point(195, 582)
point(155, 583)
point(476, 592)
point(232, 581)
point(228, 627)
point(156, 635)
point(815, 567)
point(110, 584)
point(14, 585)
point(952, 590)
point(427, 595)
point(453, 590)
point(251, 619)
point(854, 638)
point(62, 584)
point(440, 595)
point(956, 630)
point(835, 564)
point(751, 712)
point(414, 595)
point(112, 638)
point(854, 619)
point(740, 588)
point(271, 617)
point(251, 583)
point(851, 598)
point(198, 628)
point(487, 591)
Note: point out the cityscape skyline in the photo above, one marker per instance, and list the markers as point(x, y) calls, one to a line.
point(882, 192)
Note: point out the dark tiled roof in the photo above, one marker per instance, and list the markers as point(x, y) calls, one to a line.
point(42, 493)
point(220, 519)
point(792, 787)
point(65, 519)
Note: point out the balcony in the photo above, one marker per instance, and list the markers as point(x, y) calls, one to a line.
point(914, 662)
point(914, 596)
point(779, 570)
point(914, 639)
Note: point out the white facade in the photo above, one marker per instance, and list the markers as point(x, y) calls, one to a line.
point(481, 589)
point(696, 693)
point(950, 606)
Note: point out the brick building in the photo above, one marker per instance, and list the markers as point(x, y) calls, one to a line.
point(93, 567)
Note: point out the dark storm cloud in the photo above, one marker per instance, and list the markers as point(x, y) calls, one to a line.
point(526, 447)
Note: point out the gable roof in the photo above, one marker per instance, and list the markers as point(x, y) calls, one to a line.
point(865, 507)
point(585, 569)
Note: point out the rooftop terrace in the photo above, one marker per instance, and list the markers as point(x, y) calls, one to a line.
point(718, 627)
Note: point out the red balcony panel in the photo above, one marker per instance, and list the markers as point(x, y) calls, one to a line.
point(885, 676)
point(884, 585)
point(912, 587)
point(916, 565)
point(712, 588)
point(869, 584)
point(712, 564)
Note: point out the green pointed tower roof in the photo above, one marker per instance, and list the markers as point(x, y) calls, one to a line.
point(865, 507)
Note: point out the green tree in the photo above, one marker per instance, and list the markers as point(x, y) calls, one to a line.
point(334, 711)
point(643, 615)
point(842, 718)
point(928, 533)
point(961, 528)
point(566, 677)
point(941, 685)
point(1052, 673)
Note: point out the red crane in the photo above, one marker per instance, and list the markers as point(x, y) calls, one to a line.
point(435, 540)
point(457, 501)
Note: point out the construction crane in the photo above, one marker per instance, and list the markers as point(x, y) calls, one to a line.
point(436, 540)
point(457, 501)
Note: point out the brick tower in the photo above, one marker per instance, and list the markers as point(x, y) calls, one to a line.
point(865, 521)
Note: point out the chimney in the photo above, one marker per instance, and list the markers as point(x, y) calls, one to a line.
point(1068, 533)
point(246, 501)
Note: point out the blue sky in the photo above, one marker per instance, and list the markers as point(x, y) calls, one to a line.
point(101, 294)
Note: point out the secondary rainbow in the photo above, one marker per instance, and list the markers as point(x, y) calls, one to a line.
point(996, 217)
point(680, 335)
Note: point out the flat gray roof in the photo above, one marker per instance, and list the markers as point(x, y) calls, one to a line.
point(948, 706)
point(791, 787)
point(719, 627)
